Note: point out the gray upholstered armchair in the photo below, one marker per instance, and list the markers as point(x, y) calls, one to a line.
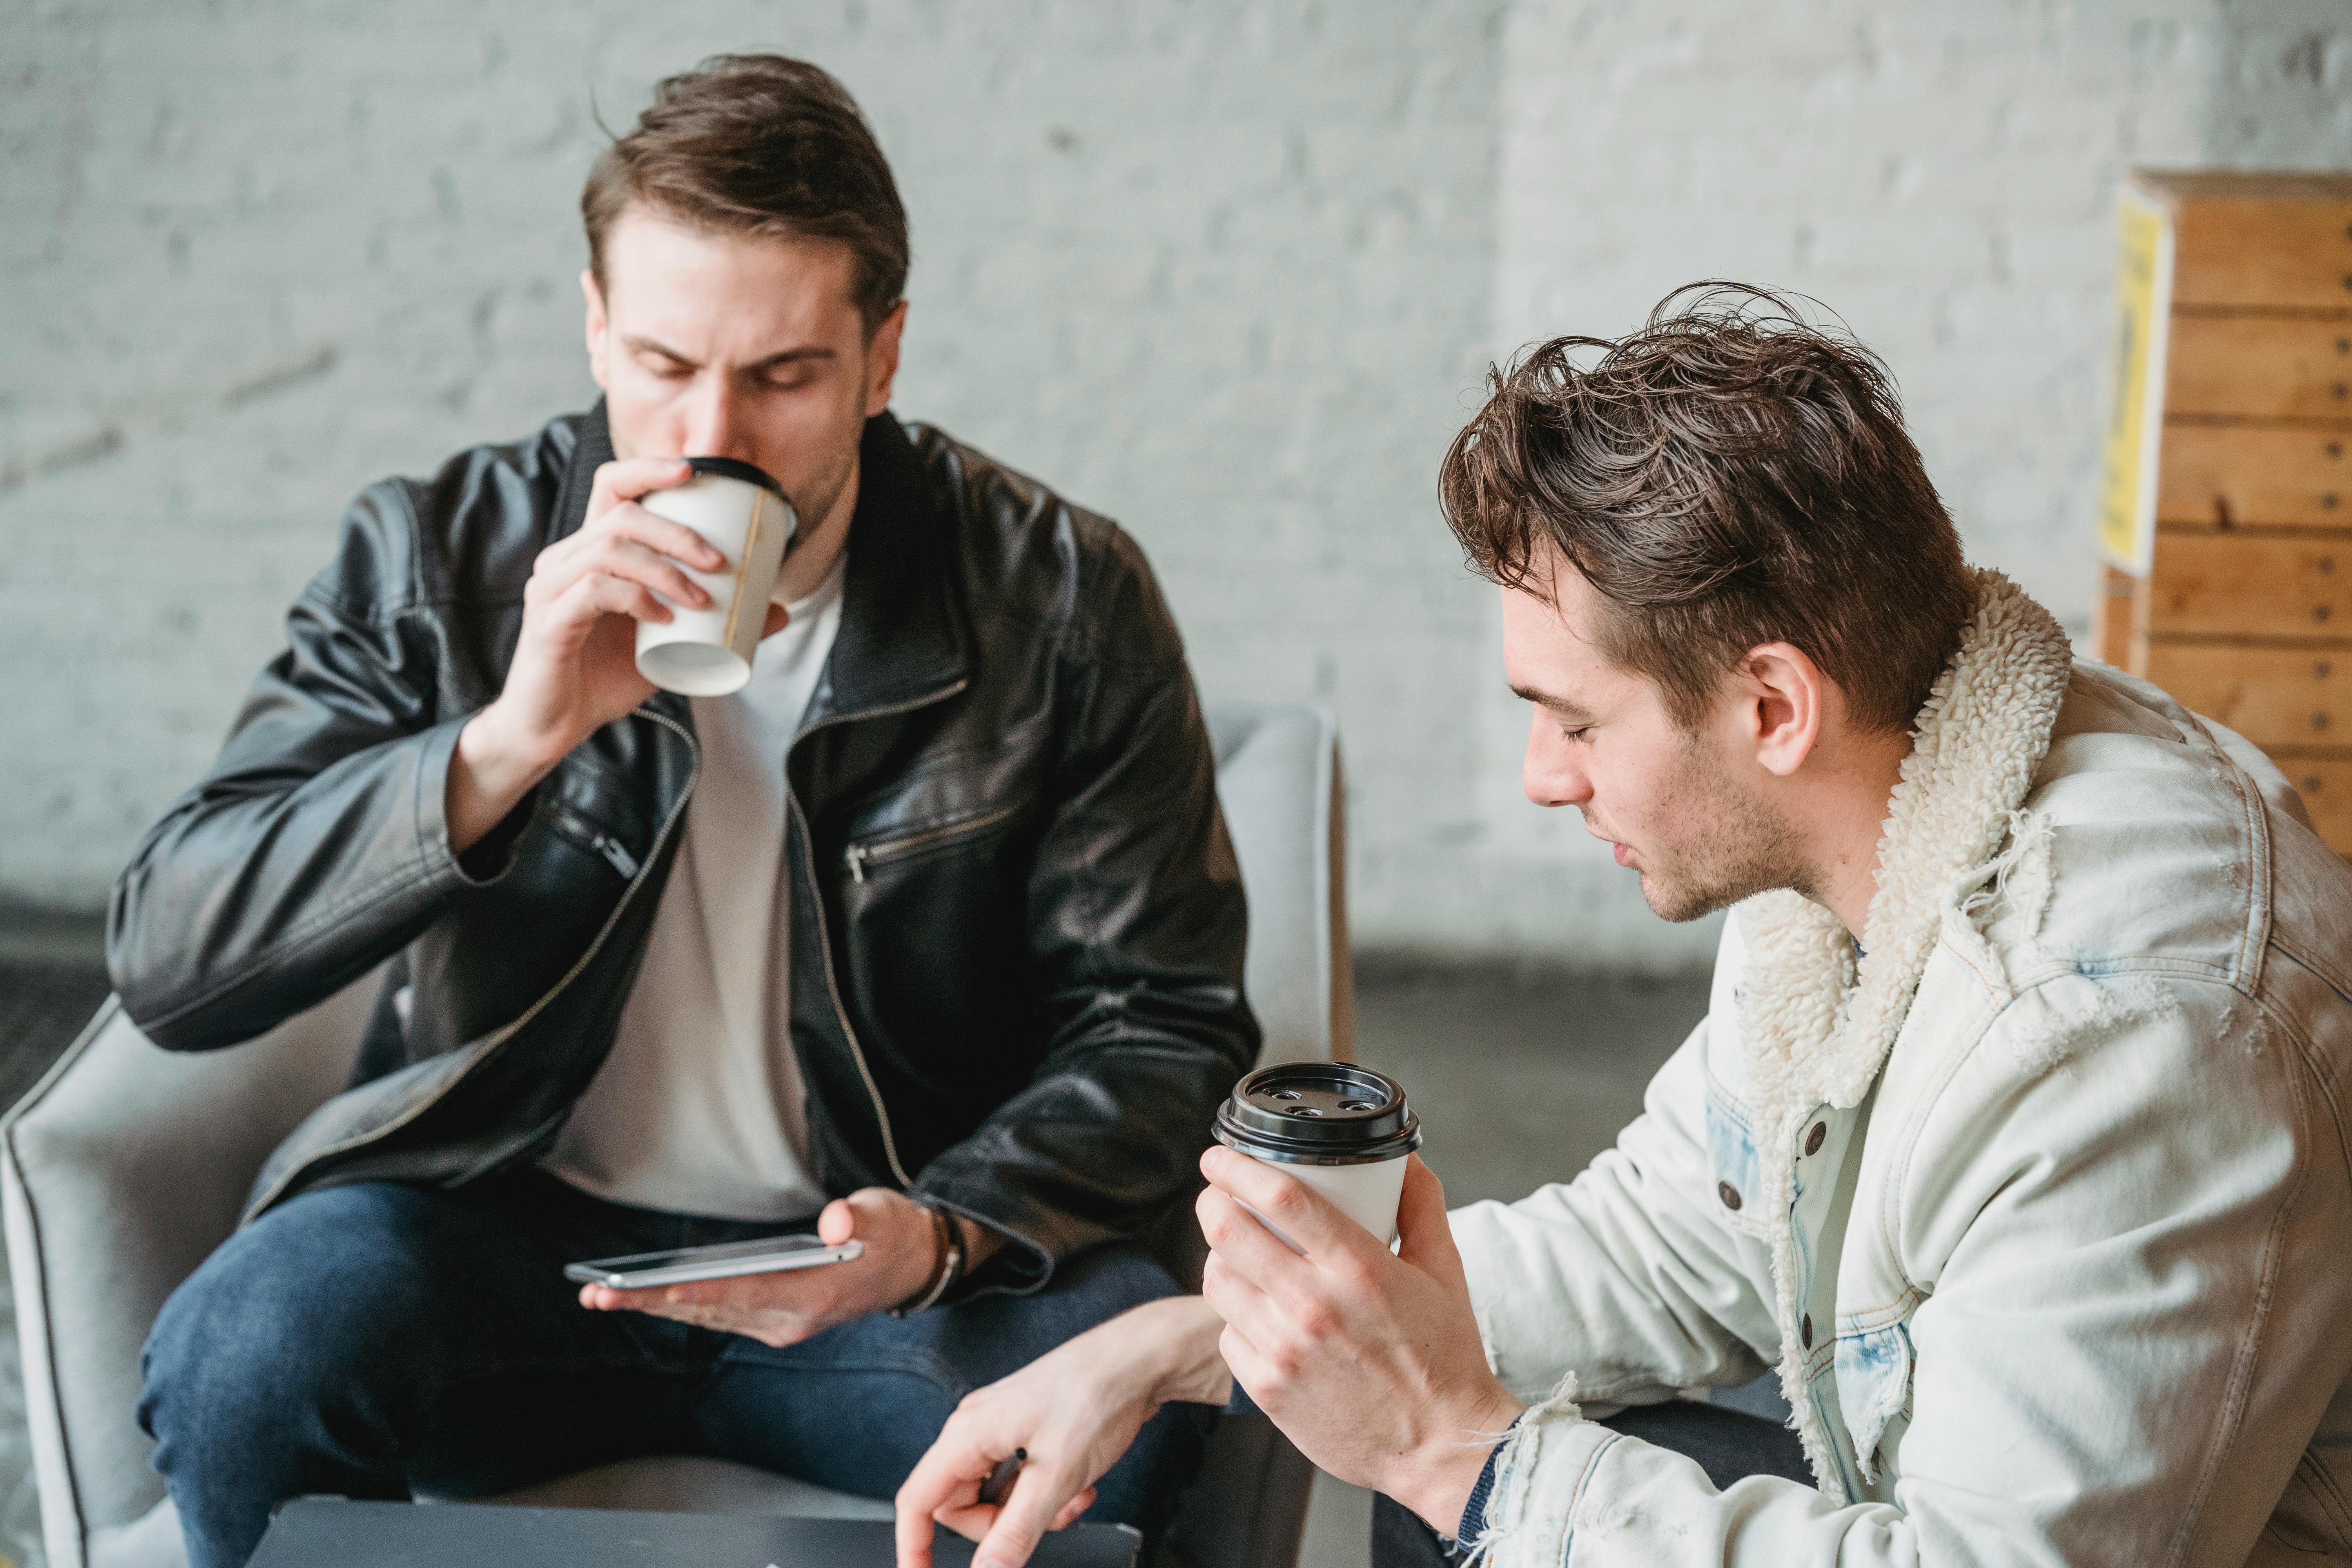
point(125, 1167)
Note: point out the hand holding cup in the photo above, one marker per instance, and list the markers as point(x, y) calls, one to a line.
point(574, 668)
point(704, 648)
point(1369, 1360)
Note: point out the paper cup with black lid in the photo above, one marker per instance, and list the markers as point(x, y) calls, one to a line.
point(742, 512)
point(1342, 1131)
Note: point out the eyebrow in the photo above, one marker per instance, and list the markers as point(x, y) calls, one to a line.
point(1560, 705)
point(788, 356)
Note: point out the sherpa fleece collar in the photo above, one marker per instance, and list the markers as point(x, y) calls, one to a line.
point(1817, 1026)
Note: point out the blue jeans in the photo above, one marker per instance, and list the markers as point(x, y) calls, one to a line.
point(380, 1341)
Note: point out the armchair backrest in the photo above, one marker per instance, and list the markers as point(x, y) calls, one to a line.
point(1278, 780)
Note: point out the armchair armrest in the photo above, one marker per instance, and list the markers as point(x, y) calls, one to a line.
point(120, 1173)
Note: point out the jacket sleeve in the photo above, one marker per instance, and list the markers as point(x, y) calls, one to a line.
point(1136, 930)
point(2103, 1213)
point(316, 847)
point(1630, 1276)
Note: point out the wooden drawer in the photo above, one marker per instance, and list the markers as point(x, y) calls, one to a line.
point(2212, 583)
point(2326, 791)
point(2274, 697)
point(2259, 367)
point(2263, 250)
point(2232, 473)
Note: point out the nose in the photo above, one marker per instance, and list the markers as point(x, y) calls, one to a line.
point(1552, 773)
point(714, 426)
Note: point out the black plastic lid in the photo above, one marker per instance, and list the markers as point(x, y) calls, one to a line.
point(1319, 1113)
point(735, 469)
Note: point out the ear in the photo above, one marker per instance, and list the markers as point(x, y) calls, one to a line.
point(882, 359)
point(597, 326)
point(1786, 701)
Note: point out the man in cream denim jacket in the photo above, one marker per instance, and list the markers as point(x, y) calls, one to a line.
point(2016, 1135)
point(2084, 1292)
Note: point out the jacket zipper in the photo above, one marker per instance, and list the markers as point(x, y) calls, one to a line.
point(860, 855)
point(615, 852)
point(824, 940)
point(693, 777)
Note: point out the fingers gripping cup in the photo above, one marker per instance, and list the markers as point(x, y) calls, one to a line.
point(743, 513)
point(1341, 1130)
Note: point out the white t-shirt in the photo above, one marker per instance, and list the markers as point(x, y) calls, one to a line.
point(700, 1108)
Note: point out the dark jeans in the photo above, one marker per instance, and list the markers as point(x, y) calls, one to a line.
point(381, 1341)
point(1728, 1445)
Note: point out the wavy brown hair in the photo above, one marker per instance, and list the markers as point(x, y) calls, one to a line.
point(759, 144)
point(1728, 476)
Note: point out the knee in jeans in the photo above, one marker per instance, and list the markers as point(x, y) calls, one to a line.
point(278, 1316)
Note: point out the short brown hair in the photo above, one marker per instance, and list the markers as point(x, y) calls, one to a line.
point(764, 145)
point(1725, 477)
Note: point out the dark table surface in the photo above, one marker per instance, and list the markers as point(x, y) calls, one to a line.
point(327, 1533)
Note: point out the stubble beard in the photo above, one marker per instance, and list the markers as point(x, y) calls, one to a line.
point(1738, 846)
point(821, 494)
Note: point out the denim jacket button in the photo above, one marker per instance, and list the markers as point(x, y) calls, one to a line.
point(1813, 1138)
point(1805, 1330)
point(1728, 1194)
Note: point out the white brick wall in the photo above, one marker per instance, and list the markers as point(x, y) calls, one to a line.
point(1228, 272)
point(1219, 271)
point(1943, 177)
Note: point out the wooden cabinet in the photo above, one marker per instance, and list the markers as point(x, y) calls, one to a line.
point(2326, 785)
point(2256, 241)
point(2233, 365)
point(2226, 473)
point(2227, 520)
point(2216, 584)
point(2284, 700)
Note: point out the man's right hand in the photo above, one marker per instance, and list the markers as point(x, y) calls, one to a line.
point(1074, 1410)
point(575, 668)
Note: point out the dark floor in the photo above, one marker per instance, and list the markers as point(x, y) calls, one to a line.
point(1517, 1080)
point(44, 1003)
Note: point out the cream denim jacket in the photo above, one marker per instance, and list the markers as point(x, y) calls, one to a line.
point(2083, 1294)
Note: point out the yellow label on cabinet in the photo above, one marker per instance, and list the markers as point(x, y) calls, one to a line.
point(2136, 425)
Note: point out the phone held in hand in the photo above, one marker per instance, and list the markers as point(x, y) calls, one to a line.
point(763, 1254)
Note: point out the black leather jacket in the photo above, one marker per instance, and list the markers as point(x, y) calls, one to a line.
point(1016, 921)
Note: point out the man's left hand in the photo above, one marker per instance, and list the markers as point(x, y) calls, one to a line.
point(901, 1253)
point(1369, 1362)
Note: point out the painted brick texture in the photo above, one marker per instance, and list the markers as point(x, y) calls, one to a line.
point(1943, 177)
point(1217, 271)
point(1227, 272)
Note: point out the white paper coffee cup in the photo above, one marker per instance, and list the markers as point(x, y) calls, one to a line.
point(706, 652)
point(1341, 1130)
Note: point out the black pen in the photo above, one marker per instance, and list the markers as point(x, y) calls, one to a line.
point(1000, 1480)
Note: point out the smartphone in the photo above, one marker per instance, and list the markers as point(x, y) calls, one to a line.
point(766, 1255)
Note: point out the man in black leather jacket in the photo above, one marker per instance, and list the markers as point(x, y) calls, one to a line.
point(1005, 992)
